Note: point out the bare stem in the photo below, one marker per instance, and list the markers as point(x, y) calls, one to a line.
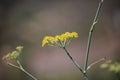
point(75, 63)
point(94, 63)
point(22, 69)
point(90, 35)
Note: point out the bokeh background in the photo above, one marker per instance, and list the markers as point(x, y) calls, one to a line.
point(26, 22)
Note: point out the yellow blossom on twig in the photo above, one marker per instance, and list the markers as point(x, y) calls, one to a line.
point(59, 40)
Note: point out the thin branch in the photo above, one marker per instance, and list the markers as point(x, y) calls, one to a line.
point(75, 63)
point(94, 63)
point(10, 64)
point(34, 78)
point(22, 69)
point(90, 35)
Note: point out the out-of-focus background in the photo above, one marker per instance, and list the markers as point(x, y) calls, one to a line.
point(26, 22)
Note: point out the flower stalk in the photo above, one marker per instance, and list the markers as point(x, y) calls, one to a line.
point(90, 36)
point(75, 63)
point(20, 67)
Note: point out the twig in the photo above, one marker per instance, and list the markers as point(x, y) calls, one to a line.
point(94, 63)
point(22, 69)
point(90, 35)
point(75, 63)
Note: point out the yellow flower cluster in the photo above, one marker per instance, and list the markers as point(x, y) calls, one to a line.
point(13, 55)
point(59, 40)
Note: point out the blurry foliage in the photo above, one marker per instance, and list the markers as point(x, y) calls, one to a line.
point(13, 55)
point(113, 67)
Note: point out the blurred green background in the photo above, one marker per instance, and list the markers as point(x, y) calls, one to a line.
point(26, 22)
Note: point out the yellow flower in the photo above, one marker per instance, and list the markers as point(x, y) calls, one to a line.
point(47, 39)
point(59, 40)
point(13, 55)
